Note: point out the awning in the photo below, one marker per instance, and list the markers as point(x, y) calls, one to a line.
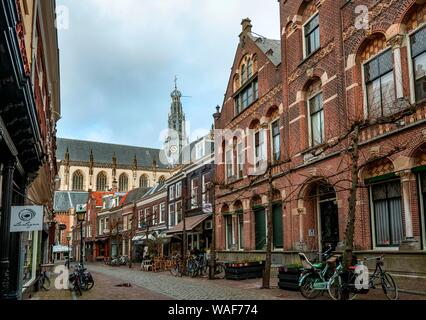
point(59, 248)
point(190, 223)
point(143, 237)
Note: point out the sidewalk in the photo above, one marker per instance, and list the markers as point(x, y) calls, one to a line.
point(53, 293)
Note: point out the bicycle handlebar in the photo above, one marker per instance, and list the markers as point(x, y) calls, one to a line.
point(375, 258)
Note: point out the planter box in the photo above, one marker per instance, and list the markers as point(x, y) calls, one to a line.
point(288, 277)
point(243, 271)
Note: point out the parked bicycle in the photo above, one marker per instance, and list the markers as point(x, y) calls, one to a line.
point(315, 276)
point(81, 280)
point(383, 278)
point(176, 268)
point(219, 269)
point(43, 281)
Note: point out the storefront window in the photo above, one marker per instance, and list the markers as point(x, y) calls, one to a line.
point(29, 244)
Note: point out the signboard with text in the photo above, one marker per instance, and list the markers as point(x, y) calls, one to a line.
point(26, 218)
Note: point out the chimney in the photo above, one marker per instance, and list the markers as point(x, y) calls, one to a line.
point(246, 29)
point(246, 24)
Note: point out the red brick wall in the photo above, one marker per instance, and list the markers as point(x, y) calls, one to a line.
point(338, 65)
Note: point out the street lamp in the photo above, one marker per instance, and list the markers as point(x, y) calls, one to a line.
point(69, 250)
point(80, 218)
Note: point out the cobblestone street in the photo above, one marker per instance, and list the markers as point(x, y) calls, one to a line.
point(111, 283)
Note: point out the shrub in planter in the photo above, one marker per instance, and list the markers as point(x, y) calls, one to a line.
point(288, 277)
point(244, 270)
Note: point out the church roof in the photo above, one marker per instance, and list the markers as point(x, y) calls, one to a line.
point(134, 195)
point(65, 200)
point(79, 150)
point(270, 47)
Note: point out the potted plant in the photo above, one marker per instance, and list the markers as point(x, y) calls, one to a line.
point(244, 270)
point(288, 276)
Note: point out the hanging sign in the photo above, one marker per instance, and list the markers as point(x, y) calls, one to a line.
point(26, 218)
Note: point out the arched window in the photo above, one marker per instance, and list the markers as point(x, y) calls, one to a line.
point(243, 73)
point(376, 58)
point(249, 68)
point(311, 28)
point(315, 113)
point(101, 181)
point(77, 181)
point(161, 180)
point(123, 183)
point(143, 181)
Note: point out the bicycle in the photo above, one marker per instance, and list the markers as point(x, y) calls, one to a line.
point(337, 284)
point(176, 269)
point(314, 279)
point(388, 284)
point(81, 279)
point(219, 270)
point(43, 281)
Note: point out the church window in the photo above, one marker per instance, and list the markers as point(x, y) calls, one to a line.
point(77, 181)
point(123, 183)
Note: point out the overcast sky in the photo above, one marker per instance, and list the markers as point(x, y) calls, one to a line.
point(119, 59)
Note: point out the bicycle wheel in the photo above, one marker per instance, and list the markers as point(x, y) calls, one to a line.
point(335, 288)
point(219, 271)
point(307, 287)
point(89, 284)
point(77, 286)
point(389, 287)
point(45, 283)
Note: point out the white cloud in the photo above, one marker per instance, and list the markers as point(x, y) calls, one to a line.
point(119, 57)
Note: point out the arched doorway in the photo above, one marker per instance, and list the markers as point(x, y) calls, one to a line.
point(328, 215)
point(320, 202)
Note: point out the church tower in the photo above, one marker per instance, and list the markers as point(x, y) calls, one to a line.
point(176, 137)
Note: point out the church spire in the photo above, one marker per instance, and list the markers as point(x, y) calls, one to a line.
point(176, 138)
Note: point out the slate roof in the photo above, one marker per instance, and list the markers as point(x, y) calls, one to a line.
point(134, 195)
point(79, 150)
point(65, 200)
point(272, 48)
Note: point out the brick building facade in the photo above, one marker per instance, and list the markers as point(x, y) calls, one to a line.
point(337, 70)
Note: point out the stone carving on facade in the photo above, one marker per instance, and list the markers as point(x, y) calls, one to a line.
point(312, 63)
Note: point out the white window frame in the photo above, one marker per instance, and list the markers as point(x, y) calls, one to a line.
point(172, 205)
point(227, 149)
point(272, 137)
point(310, 132)
point(194, 195)
point(263, 148)
point(303, 34)
point(364, 85)
point(172, 192)
point(411, 73)
point(177, 212)
point(178, 189)
point(154, 214)
point(162, 210)
point(204, 191)
point(240, 161)
point(145, 216)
